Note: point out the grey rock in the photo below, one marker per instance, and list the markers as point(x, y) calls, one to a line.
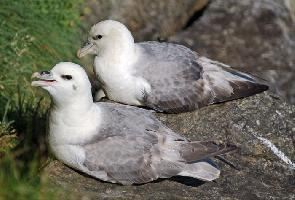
point(261, 174)
point(146, 19)
point(290, 4)
point(256, 36)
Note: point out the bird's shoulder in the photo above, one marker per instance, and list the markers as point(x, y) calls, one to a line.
point(123, 120)
point(166, 50)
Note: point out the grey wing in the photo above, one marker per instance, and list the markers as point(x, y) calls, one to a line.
point(173, 73)
point(134, 147)
point(125, 159)
point(125, 119)
point(128, 145)
point(182, 81)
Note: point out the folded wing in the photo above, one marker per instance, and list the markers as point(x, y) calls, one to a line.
point(182, 81)
point(132, 146)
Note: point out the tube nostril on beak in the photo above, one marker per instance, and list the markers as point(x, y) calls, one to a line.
point(86, 43)
point(45, 73)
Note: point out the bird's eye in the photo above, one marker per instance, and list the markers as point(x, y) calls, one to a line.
point(97, 37)
point(67, 77)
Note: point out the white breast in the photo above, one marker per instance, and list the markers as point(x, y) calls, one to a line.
point(74, 128)
point(68, 131)
point(119, 83)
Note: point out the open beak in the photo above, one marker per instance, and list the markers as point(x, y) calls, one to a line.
point(45, 79)
point(88, 48)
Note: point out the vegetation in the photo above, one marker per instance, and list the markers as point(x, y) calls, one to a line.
point(34, 35)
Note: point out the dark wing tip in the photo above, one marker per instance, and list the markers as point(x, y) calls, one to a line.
point(241, 89)
point(262, 87)
point(229, 148)
point(194, 151)
point(223, 148)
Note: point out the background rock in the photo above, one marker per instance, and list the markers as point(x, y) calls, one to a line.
point(250, 35)
point(261, 174)
point(146, 19)
point(290, 4)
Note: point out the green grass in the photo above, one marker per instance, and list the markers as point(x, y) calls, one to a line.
point(34, 36)
point(15, 184)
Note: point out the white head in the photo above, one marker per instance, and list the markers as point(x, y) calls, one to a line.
point(107, 37)
point(66, 82)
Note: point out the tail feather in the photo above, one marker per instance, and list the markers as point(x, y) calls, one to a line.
point(194, 151)
point(201, 170)
point(196, 154)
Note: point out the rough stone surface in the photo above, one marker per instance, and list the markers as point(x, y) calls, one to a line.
point(250, 35)
point(290, 4)
point(261, 174)
point(146, 19)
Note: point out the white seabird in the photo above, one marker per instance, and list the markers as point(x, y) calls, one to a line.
point(163, 76)
point(114, 142)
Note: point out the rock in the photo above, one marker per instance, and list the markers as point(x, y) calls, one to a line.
point(146, 19)
point(252, 123)
point(250, 35)
point(290, 4)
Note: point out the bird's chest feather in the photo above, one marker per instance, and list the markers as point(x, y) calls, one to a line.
point(70, 129)
point(119, 83)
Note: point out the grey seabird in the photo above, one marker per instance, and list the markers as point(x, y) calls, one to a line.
point(163, 76)
point(114, 142)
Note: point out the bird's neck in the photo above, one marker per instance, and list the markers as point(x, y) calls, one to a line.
point(75, 123)
point(73, 106)
point(122, 53)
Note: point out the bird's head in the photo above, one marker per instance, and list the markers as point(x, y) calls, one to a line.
point(65, 82)
point(106, 37)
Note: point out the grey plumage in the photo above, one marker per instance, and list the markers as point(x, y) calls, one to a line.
point(181, 80)
point(131, 146)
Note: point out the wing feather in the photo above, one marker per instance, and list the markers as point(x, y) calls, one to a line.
point(132, 146)
point(182, 81)
point(127, 145)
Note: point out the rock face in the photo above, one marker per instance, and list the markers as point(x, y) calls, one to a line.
point(250, 35)
point(146, 19)
point(255, 124)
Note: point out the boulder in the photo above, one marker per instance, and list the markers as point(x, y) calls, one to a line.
point(262, 126)
point(146, 19)
point(250, 35)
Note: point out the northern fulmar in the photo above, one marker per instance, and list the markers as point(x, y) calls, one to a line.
point(164, 76)
point(114, 142)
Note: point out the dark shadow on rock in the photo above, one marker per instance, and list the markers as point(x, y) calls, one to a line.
point(188, 181)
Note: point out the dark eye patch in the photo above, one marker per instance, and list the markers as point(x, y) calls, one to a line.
point(67, 77)
point(97, 37)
